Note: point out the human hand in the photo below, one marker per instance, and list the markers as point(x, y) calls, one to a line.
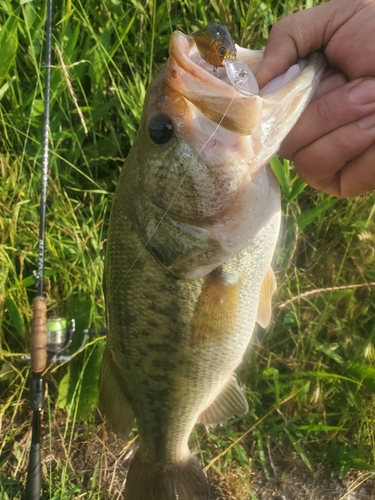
point(332, 145)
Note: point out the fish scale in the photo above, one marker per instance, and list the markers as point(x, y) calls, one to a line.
point(196, 374)
point(190, 243)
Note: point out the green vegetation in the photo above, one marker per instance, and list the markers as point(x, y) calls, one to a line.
point(310, 375)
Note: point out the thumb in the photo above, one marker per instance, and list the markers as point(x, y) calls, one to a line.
point(295, 36)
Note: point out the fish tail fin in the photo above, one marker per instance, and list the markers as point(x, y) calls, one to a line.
point(181, 481)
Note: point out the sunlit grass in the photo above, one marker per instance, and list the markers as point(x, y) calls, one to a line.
point(310, 372)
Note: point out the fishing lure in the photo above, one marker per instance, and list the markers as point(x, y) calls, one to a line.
point(214, 44)
point(216, 47)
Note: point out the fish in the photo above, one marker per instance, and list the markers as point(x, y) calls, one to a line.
point(193, 228)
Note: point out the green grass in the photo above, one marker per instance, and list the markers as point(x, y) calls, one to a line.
point(311, 373)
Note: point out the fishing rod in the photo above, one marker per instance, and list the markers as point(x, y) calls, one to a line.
point(50, 336)
point(38, 348)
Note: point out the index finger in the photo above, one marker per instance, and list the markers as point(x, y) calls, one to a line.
point(295, 36)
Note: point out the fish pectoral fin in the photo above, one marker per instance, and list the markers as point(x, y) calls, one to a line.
point(215, 312)
point(265, 300)
point(231, 401)
point(112, 400)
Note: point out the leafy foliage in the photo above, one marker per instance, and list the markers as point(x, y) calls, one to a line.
point(309, 377)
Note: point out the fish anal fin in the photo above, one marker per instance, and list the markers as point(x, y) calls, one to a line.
point(154, 481)
point(231, 401)
point(216, 311)
point(268, 288)
point(112, 400)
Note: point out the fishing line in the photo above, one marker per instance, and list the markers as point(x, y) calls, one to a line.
point(174, 196)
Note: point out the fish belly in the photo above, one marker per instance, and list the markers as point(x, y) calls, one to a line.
point(176, 342)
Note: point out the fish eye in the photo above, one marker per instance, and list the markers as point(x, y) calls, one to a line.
point(160, 129)
point(222, 52)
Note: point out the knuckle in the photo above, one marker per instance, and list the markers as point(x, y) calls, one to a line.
point(281, 26)
point(324, 110)
point(283, 31)
point(304, 165)
point(338, 147)
point(287, 149)
point(323, 179)
point(341, 146)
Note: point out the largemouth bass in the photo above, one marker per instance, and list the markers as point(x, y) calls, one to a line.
point(192, 233)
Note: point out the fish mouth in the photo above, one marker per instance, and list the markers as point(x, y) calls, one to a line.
point(280, 102)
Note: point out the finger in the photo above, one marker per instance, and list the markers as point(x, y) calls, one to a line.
point(331, 111)
point(352, 46)
point(358, 175)
point(331, 81)
point(329, 164)
point(297, 35)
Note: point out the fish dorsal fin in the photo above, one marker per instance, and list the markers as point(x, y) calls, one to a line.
point(215, 314)
point(265, 300)
point(112, 400)
point(231, 401)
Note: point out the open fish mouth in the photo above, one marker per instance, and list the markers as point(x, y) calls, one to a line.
point(279, 103)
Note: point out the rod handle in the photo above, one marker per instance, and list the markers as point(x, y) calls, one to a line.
point(39, 336)
point(33, 489)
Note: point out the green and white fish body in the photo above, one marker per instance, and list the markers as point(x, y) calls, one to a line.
point(192, 234)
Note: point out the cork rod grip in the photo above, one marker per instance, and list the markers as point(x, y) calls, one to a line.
point(39, 336)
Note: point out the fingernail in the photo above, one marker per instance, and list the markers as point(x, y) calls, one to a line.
point(368, 122)
point(362, 93)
